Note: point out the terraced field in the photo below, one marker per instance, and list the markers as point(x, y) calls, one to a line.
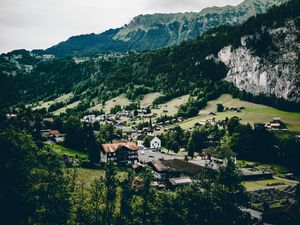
point(254, 113)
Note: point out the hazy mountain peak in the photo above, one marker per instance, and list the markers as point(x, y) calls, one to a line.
point(159, 30)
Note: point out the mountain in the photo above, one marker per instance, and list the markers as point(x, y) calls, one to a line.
point(257, 61)
point(161, 30)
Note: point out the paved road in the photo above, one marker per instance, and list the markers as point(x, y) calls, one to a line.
point(150, 155)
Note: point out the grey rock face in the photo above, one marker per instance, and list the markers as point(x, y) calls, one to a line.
point(160, 30)
point(275, 74)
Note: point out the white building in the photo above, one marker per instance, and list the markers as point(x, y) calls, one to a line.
point(155, 142)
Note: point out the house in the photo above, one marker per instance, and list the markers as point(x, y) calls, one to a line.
point(59, 138)
point(155, 142)
point(218, 157)
point(50, 134)
point(275, 124)
point(175, 168)
point(126, 152)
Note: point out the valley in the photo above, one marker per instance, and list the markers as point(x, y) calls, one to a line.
point(172, 119)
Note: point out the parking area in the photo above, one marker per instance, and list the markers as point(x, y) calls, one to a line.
point(146, 156)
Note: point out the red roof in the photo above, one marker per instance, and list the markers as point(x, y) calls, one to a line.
point(109, 148)
point(54, 132)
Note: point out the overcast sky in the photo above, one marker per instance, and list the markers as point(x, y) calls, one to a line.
point(39, 24)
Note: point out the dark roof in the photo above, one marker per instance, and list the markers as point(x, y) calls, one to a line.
point(177, 165)
point(180, 181)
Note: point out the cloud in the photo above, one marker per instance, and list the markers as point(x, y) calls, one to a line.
point(186, 5)
point(33, 24)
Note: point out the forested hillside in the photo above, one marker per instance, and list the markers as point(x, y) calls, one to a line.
point(192, 67)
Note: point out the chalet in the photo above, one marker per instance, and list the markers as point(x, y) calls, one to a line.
point(276, 124)
point(174, 168)
point(218, 157)
point(48, 133)
point(155, 142)
point(126, 152)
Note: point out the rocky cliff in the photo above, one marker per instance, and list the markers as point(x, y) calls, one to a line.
point(273, 72)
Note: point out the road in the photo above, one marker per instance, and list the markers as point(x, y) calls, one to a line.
point(150, 155)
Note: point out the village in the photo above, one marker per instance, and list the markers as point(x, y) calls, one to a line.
point(139, 145)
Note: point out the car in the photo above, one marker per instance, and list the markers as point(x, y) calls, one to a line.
point(142, 152)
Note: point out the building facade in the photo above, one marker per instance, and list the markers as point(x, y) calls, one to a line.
point(126, 152)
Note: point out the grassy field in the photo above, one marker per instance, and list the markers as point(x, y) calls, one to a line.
point(120, 100)
point(251, 185)
point(149, 98)
point(87, 176)
point(47, 104)
point(254, 113)
point(63, 109)
point(276, 170)
point(170, 108)
point(68, 151)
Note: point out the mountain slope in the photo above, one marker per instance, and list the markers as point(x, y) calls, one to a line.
point(161, 30)
point(201, 68)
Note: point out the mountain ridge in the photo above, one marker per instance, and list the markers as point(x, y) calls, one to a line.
point(191, 68)
point(152, 31)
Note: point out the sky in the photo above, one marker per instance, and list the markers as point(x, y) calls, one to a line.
point(39, 24)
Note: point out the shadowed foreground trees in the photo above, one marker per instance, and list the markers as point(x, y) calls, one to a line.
point(38, 189)
point(35, 188)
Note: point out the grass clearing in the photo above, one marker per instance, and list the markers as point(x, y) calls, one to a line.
point(47, 104)
point(119, 100)
point(251, 185)
point(170, 108)
point(277, 170)
point(68, 151)
point(63, 109)
point(149, 98)
point(88, 175)
point(254, 113)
